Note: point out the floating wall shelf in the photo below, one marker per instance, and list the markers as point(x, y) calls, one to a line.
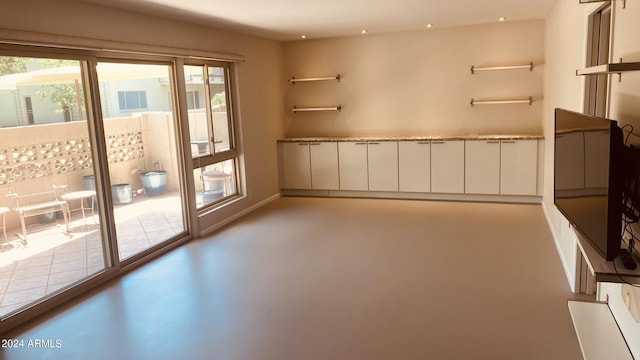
point(307, 109)
point(495, 68)
point(624, 2)
point(294, 80)
point(529, 101)
point(614, 68)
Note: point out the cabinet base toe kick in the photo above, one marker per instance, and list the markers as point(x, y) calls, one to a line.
point(413, 196)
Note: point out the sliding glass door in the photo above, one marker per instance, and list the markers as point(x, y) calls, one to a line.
point(93, 164)
point(52, 236)
point(78, 181)
point(142, 151)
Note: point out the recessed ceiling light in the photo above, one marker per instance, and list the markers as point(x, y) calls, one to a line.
point(429, 26)
point(364, 31)
point(303, 36)
point(502, 19)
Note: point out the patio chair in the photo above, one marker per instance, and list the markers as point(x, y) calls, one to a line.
point(31, 187)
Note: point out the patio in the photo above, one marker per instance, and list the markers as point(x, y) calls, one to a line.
point(53, 259)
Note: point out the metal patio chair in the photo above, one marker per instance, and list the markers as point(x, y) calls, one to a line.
point(32, 188)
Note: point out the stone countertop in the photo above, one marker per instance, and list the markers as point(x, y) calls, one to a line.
point(417, 138)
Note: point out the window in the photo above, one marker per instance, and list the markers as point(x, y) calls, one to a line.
point(598, 54)
point(211, 128)
point(52, 163)
point(29, 106)
point(99, 153)
point(132, 100)
point(193, 100)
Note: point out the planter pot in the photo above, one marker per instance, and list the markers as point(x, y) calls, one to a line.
point(89, 182)
point(210, 196)
point(121, 194)
point(154, 182)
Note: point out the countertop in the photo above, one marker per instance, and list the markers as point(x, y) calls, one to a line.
point(417, 138)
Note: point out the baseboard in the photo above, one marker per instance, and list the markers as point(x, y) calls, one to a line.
point(570, 274)
point(239, 214)
point(415, 196)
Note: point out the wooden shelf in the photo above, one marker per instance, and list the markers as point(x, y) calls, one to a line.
point(614, 68)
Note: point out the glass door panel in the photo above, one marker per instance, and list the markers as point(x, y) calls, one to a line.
point(142, 151)
point(219, 109)
point(52, 237)
point(199, 128)
point(218, 181)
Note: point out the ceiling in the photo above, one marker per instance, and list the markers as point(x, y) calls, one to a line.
point(290, 19)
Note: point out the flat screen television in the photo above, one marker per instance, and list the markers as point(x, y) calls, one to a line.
point(588, 178)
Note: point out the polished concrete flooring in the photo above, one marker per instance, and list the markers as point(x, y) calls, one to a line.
point(311, 278)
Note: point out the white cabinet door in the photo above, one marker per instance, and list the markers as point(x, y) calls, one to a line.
point(447, 166)
point(324, 165)
point(519, 167)
point(353, 165)
point(383, 165)
point(297, 166)
point(482, 167)
point(414, 164)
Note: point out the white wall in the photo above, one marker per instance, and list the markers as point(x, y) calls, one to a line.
point(566, 31)
point(417, 82)
point(259, 78)
point(565, 51)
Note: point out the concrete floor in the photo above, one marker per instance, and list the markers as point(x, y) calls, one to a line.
point(310, 278)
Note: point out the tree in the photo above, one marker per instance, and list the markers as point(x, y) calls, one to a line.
point(68, 95)
point(12, 65)
point(219, 99)
point(64, 95)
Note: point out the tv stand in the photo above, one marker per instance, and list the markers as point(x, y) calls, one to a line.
point(627, 259)
point(602, 270)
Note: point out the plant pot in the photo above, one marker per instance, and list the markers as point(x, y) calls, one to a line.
point(154, 182)
point(121, 194)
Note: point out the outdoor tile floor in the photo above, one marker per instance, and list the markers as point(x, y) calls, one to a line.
point(53, 260)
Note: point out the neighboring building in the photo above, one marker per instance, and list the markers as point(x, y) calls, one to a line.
point(22, 101)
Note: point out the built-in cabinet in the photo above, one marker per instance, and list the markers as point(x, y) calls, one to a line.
point(518, 167)
point(470, 167)
point(414, 166)
point(382, 158)
point(324, 165)
point(353, 165)
point(482, 167)
point(297, 165)
point(447, 166)
point(310, 165)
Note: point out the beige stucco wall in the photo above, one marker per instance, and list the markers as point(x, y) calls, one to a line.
point(258, 80)
point(417, 82)
point(70, 146)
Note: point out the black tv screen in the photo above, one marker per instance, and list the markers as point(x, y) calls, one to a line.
point(588, 178)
